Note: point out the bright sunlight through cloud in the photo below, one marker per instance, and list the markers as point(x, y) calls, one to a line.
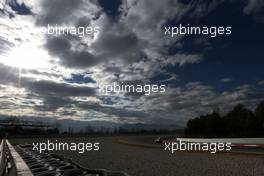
point(26, 57)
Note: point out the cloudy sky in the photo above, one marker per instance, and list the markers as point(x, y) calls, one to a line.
point(58, 76)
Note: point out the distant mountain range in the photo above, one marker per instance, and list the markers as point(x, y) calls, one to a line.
point(141, 126)
point(64, 125)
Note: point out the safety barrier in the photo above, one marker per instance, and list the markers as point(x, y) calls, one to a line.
point(21, 160)
point(11, 164)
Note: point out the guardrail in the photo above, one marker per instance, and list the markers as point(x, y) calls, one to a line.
point(2, 159)
point(11, 164)
point(21, 160)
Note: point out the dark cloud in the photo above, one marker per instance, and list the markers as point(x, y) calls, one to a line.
point(58, 45)
point(54, 103)
point(80, 59)
point(133, 83)
point(131, 50)
point(109, 46)
point(9, 75)
point(50, 88)
point(125, 41)
point(53, 94)
point(83, 22)
point(116, 44)
point(61, 47)
point(57, 11)
point(119, 112)
point(191, 95)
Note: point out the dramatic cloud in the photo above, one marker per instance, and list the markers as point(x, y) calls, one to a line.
point(64, 11)
point(61, 47)
point(59, 75)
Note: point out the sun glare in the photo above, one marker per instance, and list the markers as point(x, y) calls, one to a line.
point(25, 57)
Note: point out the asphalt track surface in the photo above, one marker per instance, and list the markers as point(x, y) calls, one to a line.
point(253, 146)
point(140, 159)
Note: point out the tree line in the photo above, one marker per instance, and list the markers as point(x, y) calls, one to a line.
point(239, 122)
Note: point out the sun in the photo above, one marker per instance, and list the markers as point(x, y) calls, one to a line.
point(25, 57)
